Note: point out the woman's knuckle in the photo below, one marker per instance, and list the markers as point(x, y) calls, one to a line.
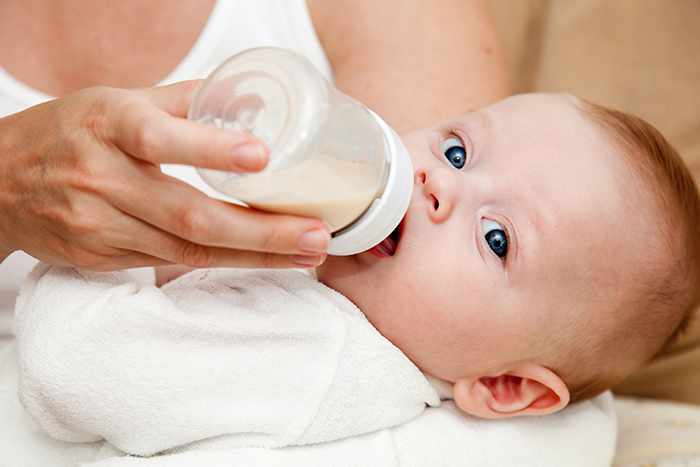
point(269, 261)
point(193, 223)
point(83, 258)
point(195, 255)
point(274, 238)
point(83, 222)
point(148, 139)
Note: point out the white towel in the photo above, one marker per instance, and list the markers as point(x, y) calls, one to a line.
point(220, 358)
point(441, 437)
point(582, 435)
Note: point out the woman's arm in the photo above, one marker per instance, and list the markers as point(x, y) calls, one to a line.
point(417, 63)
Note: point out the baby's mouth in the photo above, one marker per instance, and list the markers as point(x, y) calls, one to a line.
point(388, 245)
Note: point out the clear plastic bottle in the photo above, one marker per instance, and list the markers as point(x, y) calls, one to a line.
point(330, 157)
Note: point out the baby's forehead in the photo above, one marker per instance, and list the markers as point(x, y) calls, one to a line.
point(586, 236)
point(534, 102)
point(539, 117)
point(595, 260)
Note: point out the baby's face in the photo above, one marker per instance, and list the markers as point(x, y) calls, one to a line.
point(512, 205)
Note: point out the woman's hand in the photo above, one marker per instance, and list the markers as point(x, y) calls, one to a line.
point(80, 185)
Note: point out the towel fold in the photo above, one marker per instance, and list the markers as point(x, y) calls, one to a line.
point(217, 359)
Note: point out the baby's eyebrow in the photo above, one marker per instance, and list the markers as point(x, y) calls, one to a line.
point(485, 119)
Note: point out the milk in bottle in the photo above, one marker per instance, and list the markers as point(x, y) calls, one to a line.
point(330, 157)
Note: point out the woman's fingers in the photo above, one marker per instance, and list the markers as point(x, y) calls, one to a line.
point(142, 210)
point(177, 208)
point(145, 131)
point(173, 98)
point(101, 238)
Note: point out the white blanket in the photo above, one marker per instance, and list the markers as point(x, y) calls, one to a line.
point(216, 359)
point(440, 437)
point(582, 435)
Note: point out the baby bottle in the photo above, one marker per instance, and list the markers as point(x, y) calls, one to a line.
point(330, 157)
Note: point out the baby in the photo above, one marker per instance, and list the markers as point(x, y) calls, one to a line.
point(550, 248)
point(548, 251)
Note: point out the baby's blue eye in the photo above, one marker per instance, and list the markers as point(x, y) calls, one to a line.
point(454, 152)
point(495, 237)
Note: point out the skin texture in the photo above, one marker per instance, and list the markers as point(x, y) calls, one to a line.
point(417, 63)
point(80, 186)
point(456, 309)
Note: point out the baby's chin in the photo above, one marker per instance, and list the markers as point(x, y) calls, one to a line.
point(320, 271)
point(330, 273)
point(341, 274)
point(333, 270)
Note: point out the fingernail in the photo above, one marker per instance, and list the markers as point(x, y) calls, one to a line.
point(314, 241)
point(304, 260)
point(249, 156)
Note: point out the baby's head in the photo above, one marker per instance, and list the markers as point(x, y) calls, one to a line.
point(548, 251)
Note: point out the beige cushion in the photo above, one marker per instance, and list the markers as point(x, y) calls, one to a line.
point(656, 433)
point(640, 56)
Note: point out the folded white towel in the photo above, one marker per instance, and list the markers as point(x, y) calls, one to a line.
point(235, 358)
point(582, 435)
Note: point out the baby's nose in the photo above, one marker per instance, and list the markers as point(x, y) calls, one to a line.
point(437, 188)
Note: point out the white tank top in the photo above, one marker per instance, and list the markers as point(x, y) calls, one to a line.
point(233, 26)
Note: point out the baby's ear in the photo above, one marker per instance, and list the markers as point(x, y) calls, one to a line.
point(525, 390)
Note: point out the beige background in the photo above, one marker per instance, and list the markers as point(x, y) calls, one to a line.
point(640, 56)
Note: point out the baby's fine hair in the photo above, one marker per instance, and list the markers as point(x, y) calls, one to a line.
point(668, 309)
